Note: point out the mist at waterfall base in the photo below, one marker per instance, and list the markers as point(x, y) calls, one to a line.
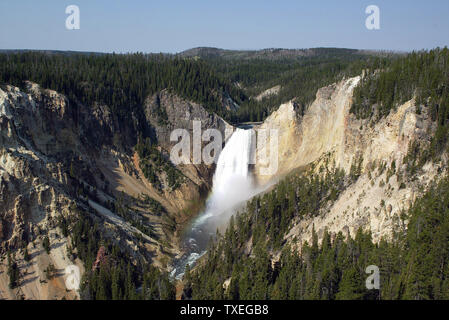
point(232, 186)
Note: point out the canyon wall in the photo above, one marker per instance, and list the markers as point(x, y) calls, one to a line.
point(328, 135)
point(58, 157)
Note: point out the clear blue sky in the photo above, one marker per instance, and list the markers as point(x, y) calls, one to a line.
point(173, 26)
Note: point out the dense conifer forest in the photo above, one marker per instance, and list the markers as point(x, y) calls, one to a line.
point(299, 76)
point(116, 277)
point(123, 81)
point(420, 75)
point(414, 265)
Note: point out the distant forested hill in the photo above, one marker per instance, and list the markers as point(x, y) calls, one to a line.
point(299, 72)
point(203, 75)
point(414, 263)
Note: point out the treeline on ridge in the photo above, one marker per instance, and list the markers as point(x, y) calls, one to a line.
point(299, 77)
point(420, 75)
point(120, 81)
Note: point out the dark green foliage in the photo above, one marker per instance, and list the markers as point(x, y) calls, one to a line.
point(46, 244)
point(120, 277)
point(414, 265)
point(356, 168)
point(152, 163)
point(62, 223)
point(13, 272)
point(122, 82)
point(423, 75)
point(427, 247)
point(132, 217)
point(300, 77)
point(420, 74)
point(265, 221)
point(26, 255)
point(124, 281)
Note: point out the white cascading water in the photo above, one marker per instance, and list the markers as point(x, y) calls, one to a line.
point(232, 185)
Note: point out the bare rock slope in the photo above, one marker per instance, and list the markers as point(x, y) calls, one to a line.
point(59, 157)
point(328, 135)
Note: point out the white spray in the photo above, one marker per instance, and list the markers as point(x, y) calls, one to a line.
point(232, 185)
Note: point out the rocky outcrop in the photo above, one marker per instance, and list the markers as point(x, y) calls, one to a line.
point(268, 93)
point(305, 139)
point(166, 112)
point(57, 154)
point(329, 135)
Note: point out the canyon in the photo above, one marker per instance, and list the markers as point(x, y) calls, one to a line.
point(47, 156)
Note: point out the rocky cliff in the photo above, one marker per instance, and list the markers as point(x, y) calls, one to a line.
point(167, 112)
point(328, 135)
point(59, 157)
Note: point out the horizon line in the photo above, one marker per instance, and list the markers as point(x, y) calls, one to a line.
point(222, 49)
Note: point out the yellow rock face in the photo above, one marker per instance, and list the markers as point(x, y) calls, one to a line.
point(328, 132)
point(303, 140)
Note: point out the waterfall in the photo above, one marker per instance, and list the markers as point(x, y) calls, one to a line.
point(234, 159)
point(231, 185)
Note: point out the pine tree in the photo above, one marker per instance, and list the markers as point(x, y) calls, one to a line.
point(350, 287)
